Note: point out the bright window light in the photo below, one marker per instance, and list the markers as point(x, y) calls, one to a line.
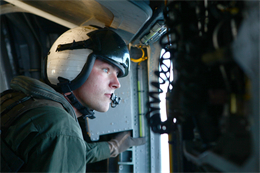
point(165, 164)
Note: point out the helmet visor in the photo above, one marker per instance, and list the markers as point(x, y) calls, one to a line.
point(109, 46)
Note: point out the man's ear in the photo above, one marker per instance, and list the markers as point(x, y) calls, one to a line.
point(66, 94)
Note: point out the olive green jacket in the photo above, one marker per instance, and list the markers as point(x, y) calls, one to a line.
point(49, 139)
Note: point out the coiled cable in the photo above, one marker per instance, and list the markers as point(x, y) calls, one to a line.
point(168, 42)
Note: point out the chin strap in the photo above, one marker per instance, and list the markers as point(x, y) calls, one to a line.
point(86, 112)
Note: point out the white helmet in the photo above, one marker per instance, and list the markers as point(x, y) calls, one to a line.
point(72, 57)
point(73, 54)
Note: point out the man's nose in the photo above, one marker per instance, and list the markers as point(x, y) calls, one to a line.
point(114, 83)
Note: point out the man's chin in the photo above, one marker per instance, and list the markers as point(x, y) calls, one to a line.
point(102, 109)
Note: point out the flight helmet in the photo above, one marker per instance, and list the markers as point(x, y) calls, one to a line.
point(72, 56)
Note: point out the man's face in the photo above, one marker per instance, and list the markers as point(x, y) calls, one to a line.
point(95, 93)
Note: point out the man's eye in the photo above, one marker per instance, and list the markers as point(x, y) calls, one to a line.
point(105, 70)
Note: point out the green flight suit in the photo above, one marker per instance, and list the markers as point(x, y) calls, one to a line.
point(49, 139)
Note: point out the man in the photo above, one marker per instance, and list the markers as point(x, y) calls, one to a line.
point(83, 65)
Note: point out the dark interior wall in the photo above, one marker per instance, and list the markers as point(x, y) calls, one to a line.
point(25, 41)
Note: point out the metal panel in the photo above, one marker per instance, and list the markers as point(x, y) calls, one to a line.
point(141, 154)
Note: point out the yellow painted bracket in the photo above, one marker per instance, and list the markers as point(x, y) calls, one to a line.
point(143, 58)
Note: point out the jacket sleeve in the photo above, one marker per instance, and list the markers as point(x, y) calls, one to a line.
point(97, 151)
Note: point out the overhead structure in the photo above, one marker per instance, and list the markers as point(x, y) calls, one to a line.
point(115, 14)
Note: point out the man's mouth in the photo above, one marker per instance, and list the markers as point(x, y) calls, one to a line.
point(109, 95)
